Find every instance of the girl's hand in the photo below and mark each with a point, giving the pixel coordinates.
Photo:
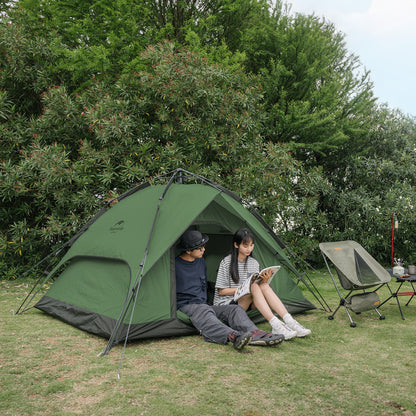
(266, 275)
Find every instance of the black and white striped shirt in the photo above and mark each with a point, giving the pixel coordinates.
(224, 280)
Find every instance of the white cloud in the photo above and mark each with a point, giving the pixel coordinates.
(386, 19)
(392, 18)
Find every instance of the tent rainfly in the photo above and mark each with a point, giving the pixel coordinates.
(117, 277)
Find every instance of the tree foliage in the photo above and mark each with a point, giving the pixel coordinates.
(88, 148)
(98, 96)
(315, 100)
(24, 59)
(374, 184)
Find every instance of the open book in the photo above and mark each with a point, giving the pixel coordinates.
(245, 287)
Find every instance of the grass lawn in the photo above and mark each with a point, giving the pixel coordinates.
(50, 368)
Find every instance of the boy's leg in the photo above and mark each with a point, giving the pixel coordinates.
(205, 320)
(235, 316)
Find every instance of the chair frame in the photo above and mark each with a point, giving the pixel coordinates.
(342, 301)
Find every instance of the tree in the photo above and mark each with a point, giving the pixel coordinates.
(316, 99)
(286, 194)
(85, 149)
(267, 104)
(24, 59)
(92, 39)
(371, 185)
(103, 38)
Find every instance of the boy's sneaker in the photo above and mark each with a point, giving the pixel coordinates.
(241, 340)
(284, 330)
(299, 329)
(265, 338)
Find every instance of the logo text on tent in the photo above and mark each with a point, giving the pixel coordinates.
(118, 226)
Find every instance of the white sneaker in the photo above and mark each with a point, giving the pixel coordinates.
(285, 331)
(299, 329)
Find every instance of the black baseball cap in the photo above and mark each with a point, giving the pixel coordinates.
(193, 239)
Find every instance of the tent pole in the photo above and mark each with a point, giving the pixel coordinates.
(392, 239)
(394, 226)
(28, 301)
(320, 299)
(137, 281)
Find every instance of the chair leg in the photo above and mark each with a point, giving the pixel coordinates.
(342, 303)
(352, 323)
(380, 316)
(331, 317)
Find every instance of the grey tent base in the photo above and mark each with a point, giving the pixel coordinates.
(103, 326)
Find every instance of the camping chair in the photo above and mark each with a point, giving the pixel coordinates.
(357, 271)
(396, 294)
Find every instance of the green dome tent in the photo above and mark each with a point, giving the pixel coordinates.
(117, 278)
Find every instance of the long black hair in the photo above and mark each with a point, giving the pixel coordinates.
(243, 235)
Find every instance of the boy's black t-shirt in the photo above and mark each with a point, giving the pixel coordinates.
(191, 282)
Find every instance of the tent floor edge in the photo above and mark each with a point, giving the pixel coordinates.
(103, 326)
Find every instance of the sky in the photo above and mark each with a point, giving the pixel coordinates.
(382, 33)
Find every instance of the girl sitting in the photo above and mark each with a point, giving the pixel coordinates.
(238, 266)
